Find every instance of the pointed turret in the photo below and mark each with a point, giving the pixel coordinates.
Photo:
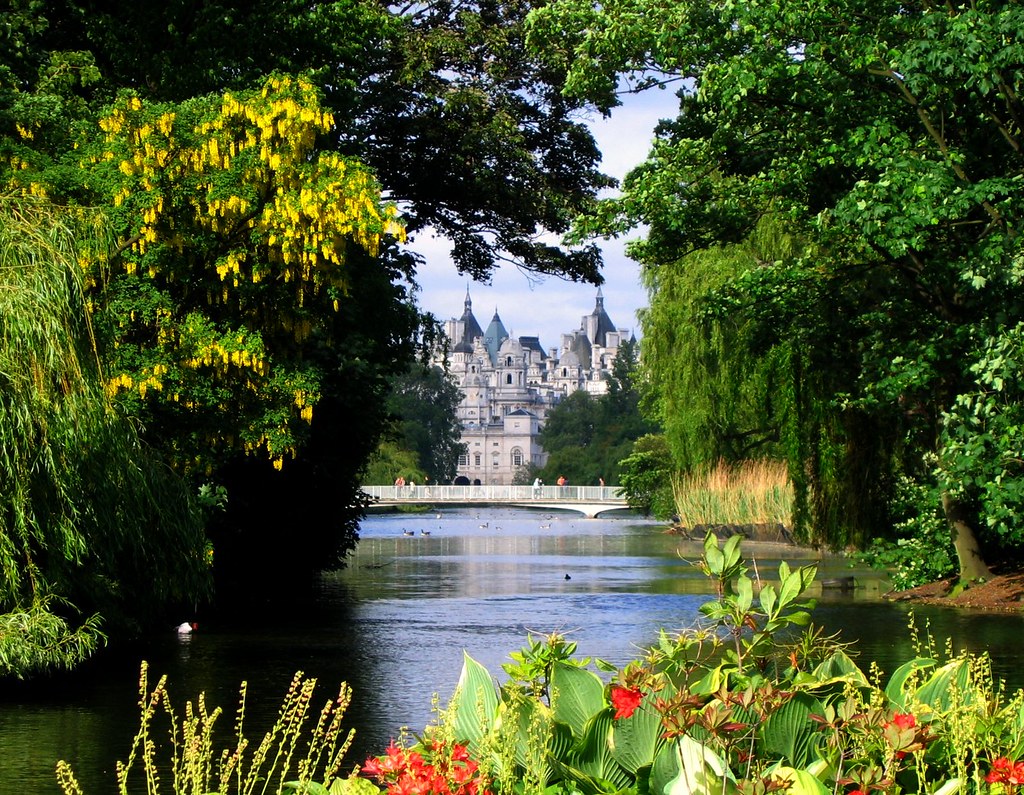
(597, 324)
(470, 328)
(494, 336)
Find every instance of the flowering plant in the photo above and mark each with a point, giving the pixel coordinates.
(1006, 772)
(439, 770)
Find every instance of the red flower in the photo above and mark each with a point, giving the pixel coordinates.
(1006, 772)
(435, 771)
(625, 701)
(903, 721)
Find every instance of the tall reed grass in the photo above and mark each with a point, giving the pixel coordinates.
(296, 756)
(744, 493)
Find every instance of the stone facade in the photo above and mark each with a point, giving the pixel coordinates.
(509, 386)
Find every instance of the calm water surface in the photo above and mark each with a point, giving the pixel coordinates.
(396, 623)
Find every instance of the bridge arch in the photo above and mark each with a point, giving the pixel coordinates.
(588, 500)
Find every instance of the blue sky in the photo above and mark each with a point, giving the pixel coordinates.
(551, 307)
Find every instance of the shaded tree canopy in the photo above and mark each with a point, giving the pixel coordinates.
(255, 301)
(95, 531)
(468, 133)
(884, 139)
(423, 405)
(586, 437)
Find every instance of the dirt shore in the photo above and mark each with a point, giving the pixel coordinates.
(1003, 593)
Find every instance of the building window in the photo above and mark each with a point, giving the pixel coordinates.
(565, 372)
(508, 361)
(476, 459)
(508, 378)
(517, 457)
(464, 460)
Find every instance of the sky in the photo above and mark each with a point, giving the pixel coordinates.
(552, 307)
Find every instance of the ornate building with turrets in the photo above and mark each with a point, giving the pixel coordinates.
(510, 384)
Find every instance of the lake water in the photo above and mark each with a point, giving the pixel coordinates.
(396, 623)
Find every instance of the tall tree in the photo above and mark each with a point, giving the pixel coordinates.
(587, 437)
(885, 135)
(255, 307)
(75, 482)
(423, 403)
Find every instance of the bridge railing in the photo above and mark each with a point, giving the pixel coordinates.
(432, 493)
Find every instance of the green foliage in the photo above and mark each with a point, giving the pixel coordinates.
(735, 611)
(883, 144)
(291, 757)
(38, 639)
(982, 459)
(921, 550)
(646, 477)
(531, 666)
(389, 462)
(249, 313)
(75, 482)
(423, 403)
(682, 720)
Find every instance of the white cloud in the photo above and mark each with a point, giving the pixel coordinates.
(552, 306)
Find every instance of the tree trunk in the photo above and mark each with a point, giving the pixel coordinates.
(968, 552)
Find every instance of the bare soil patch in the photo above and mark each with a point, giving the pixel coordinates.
(1004, 593)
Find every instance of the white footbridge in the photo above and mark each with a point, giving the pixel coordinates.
(588, 500)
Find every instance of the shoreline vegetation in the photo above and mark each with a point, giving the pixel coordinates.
(736, 705)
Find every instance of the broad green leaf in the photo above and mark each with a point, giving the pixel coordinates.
(768, 599)
(475, 702)
(788, 731)
(801, 782)
(945, 686)
(744, 594)
(895, 689)
(701, 770)
(353, 785)
(838, 667)
(635, 740)
(576, 695)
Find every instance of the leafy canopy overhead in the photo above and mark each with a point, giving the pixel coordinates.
(883, 139)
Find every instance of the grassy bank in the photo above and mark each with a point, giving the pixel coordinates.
(744, 493)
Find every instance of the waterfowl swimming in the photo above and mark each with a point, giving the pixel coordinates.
(407, 532)
(185, 628)
(485, 525)
(424, 532)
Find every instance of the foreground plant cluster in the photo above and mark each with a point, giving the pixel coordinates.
(753, 700)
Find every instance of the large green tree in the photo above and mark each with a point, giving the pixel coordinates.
(586, 436)
(256, 302)
(423, 404)
(95, 531)
(886, 139)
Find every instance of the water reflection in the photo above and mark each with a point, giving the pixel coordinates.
(396, 624)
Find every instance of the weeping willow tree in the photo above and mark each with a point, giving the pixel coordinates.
(734, 371)
(94, 532)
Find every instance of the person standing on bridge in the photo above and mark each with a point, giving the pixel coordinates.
(537, 483)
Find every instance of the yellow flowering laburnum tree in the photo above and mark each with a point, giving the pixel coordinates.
(234, 235)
